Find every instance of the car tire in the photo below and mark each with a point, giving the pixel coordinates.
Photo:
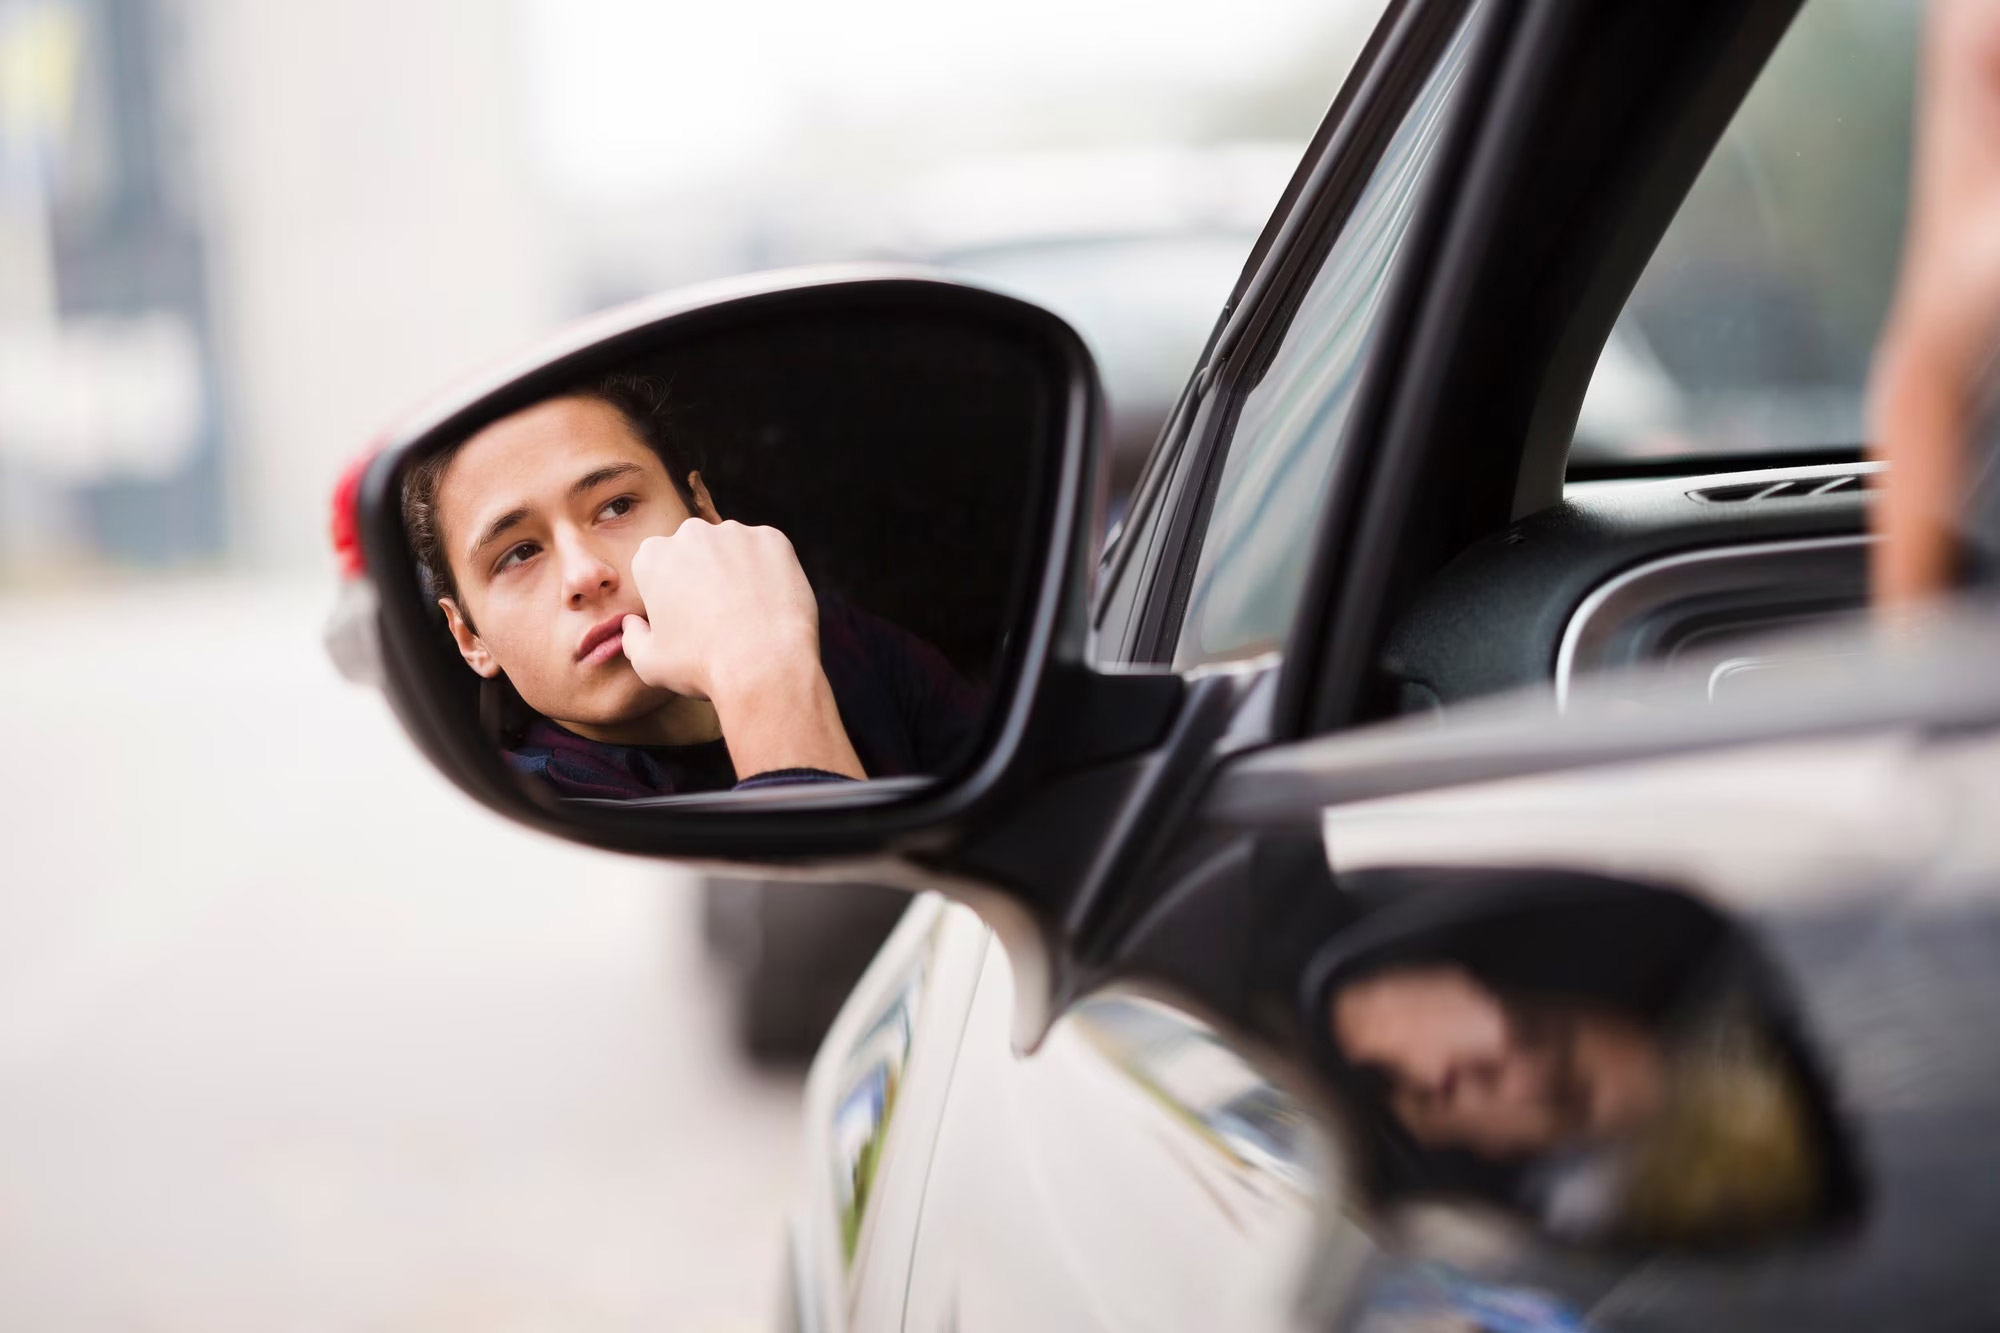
(791, 952)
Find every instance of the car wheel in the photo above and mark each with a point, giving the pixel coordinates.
(791, 953)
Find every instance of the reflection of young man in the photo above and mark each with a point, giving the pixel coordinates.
(1465, 1068)
(664, 649)
(1609, 1127)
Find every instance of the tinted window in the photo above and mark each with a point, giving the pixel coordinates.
(1751, 329)
(1254, 556)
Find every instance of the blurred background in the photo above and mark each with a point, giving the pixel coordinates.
(291, 1034)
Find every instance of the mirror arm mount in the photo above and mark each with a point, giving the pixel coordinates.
(1089, 748)
(1125, 752)
(1089, 717)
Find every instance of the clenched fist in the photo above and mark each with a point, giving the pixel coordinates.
(730, 618)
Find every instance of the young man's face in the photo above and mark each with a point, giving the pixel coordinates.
(1466, 1069)
(540, 514)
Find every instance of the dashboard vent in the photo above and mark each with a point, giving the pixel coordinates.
(1794, 488)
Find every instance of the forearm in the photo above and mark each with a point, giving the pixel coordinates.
(1919, 426)
(1946, 316)
(783, 716)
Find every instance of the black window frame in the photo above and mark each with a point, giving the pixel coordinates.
(1155, 510)
(1548, 220)
(1376, 97)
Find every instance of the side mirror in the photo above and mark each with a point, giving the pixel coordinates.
(1614, 1064)
(927, 450)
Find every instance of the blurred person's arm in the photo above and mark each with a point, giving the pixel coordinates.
(1944, 328)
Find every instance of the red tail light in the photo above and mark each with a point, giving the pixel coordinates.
(346, 525)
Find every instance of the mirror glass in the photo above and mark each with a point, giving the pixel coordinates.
(767, 552)
(1610, 1061)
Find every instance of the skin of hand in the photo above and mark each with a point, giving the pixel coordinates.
(731, 618)
(1944, 327)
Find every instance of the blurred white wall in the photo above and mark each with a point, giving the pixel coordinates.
(376, 231)
(392, 194)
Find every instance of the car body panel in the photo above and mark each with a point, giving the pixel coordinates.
(1067, 1193)
(1868, 866)
(1136, 1171)
(872, 1106)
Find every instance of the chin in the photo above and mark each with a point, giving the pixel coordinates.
(624, 706)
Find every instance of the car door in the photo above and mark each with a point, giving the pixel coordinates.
(1846, 833)
(1145, 1168)
(1831, 824)
(1305, 493)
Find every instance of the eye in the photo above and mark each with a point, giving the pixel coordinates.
(619, 507)
(516, 555)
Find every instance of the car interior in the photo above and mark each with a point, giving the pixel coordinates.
(1688, 472)
(1621, 573)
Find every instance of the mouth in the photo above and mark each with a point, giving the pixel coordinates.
(605, 641)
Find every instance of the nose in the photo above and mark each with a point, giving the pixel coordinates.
(587, 575)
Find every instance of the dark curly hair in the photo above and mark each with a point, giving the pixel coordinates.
(640, 399)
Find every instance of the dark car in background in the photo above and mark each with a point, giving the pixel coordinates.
(1411, 876)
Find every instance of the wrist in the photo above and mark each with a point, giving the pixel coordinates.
(782, 715)
(781, 673)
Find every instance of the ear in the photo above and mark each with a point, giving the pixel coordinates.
(704, 504)
(470, 646)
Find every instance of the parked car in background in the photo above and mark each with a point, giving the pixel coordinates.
(1144, 304)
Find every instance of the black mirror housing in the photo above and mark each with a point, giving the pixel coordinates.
(961, 368)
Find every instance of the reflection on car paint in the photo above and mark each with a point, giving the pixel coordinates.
(1885, 922)
(867, 1100)
(1185, 1067)
(1431, 1298)
(1606, 1059)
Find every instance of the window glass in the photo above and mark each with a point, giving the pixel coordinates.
(1751, 329)
(1254, 556)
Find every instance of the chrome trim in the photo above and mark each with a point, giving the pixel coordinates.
(1695, 483)
(1670, 576)
(1734, 667)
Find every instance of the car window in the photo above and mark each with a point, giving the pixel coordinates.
(1751, 328)
(1254, 555)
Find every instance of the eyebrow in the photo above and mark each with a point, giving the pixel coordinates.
(497, 529)
(589, 481)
